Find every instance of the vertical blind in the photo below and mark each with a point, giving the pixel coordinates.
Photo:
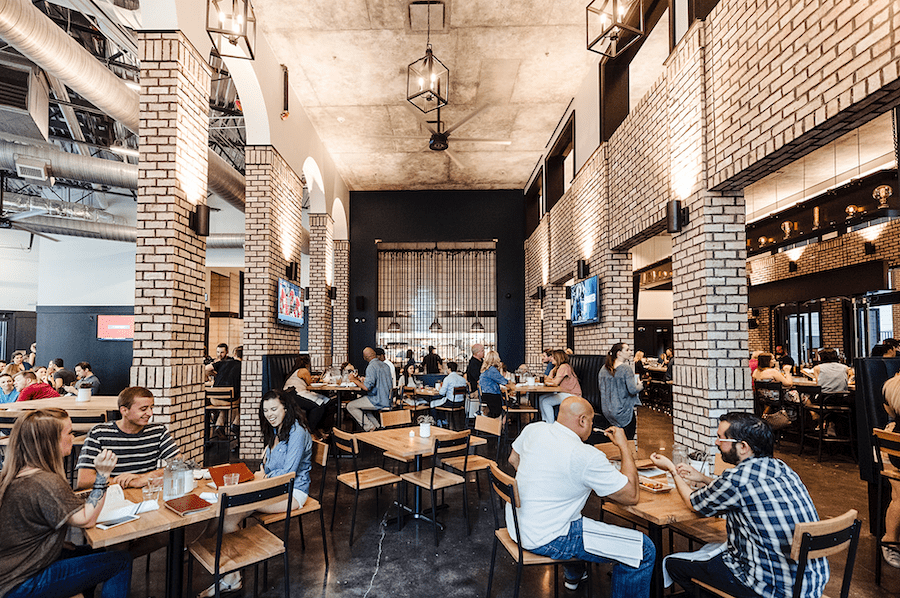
(434, 297)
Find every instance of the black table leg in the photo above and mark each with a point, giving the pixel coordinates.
(656, 581)
(175, 563)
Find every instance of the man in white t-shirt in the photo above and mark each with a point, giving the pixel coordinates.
(556, 473)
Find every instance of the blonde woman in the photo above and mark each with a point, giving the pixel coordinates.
(37, 506)
(490, 382)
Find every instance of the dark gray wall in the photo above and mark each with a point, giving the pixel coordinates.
(439, 216)
(70, 332)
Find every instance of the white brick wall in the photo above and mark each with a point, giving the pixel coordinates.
(321, 270)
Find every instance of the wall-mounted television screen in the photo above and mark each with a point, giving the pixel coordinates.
(290, 304)
(585, 302)
(115, 328)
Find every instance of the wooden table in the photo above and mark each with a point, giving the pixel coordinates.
(341, 392)
(69, 403)
(532, 392)
(656, 511)
(399, 442)
(156, 522)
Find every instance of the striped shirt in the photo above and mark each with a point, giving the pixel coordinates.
(762, 500)
(137, 453)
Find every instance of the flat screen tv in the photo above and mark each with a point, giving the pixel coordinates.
(290, 304)
(585, 302)
(115, 328)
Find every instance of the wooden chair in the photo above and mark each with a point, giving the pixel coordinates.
(522, 410)
(454, 407)
(358, 480)
(436, 478)
(396, 419)
(312, 505)
(827, 407)
(489, 427)
(251, 545)
(885, 443)
(816, 540)
(507, 491)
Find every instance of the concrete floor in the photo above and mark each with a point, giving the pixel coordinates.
(384, 562)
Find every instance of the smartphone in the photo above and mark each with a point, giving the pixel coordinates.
(114, 522)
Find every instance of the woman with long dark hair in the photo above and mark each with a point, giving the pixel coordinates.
(619, 390)
(37, 506)
(315, 406)
(288, 448)
(563, 376)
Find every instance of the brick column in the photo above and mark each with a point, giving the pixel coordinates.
(321, 264)
(554, 318)
(274, 199)
(710, 318)
(342, 302)
(171, 259)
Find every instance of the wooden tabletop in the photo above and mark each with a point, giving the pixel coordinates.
(427, 392)
(97, 403)
(150, 523)
(659, 509)
(536, 387)
(399, 442)
(335, 388)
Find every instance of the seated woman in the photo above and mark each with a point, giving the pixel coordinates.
(407, 383)
(316, 406)
(767, 371)
(288, 449)
(563, 376)
(490, 382)
(619, 391)
(892, 515)
(37, 506)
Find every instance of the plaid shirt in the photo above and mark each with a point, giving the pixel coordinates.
(762, 500)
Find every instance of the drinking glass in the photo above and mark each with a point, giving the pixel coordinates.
(149, 493)
(231, 479)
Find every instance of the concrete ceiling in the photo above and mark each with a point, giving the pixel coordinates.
(348, 61)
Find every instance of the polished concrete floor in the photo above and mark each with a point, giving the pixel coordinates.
(384, 562)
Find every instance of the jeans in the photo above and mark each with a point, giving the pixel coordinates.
(71, 576)
(548, 402)
(714, 572)
(627, 582)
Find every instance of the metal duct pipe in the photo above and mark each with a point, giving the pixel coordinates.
(72, 166)
(59, 209)
(114, 232)
(30, 32)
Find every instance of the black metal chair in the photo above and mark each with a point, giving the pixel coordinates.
(829, 408)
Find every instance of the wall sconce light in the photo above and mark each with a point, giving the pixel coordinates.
(291, 270)
(286, 110)
(332, 293)
(792, 266)
(583, 269)
(231, 25)
(869, 248)
(609, 30)
(541, 293)
(199, 220)
(676, 216)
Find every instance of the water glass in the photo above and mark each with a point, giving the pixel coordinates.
(231, 479)
(150, 493)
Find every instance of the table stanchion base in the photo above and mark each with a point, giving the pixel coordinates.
(175, 564)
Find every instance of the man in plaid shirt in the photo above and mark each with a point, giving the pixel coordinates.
(762, 500)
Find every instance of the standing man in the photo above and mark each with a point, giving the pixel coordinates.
(378, 391)
(556, 472)
(432, 362)
(139, 444)
(473, 373)
(8, 392)
(785, 361)
(762, 500)
(30, 389)
(221, 355)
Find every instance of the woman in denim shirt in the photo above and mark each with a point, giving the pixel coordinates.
(288, 449)
(490, 382)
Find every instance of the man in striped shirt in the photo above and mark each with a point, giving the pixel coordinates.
(137, 443)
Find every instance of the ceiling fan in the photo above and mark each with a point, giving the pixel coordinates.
(12, 221)
(440, 133)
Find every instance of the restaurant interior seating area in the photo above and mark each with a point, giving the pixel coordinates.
(215, 199)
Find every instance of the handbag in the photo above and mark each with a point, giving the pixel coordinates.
(778, 420)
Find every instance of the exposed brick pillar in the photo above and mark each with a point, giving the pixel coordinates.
(170, 261)
(321, 264)
(710, 318)
(274, 199)
(341, 302)
(554, 318)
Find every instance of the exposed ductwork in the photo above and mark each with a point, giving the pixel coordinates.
(59, 209)
(72, 166)
(30, 32)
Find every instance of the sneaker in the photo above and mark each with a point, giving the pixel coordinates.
(228, 583)
(891, 556)
(573, 584)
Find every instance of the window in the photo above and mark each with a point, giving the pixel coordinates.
(558, 179)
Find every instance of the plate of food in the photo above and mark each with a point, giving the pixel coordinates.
(655, 486)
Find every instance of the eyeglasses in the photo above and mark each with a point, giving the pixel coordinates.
(727, 440)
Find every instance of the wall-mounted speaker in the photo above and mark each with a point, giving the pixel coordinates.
(755, 312)
(752, 324)
(582, 269)
(676, 216)
(360, 303)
